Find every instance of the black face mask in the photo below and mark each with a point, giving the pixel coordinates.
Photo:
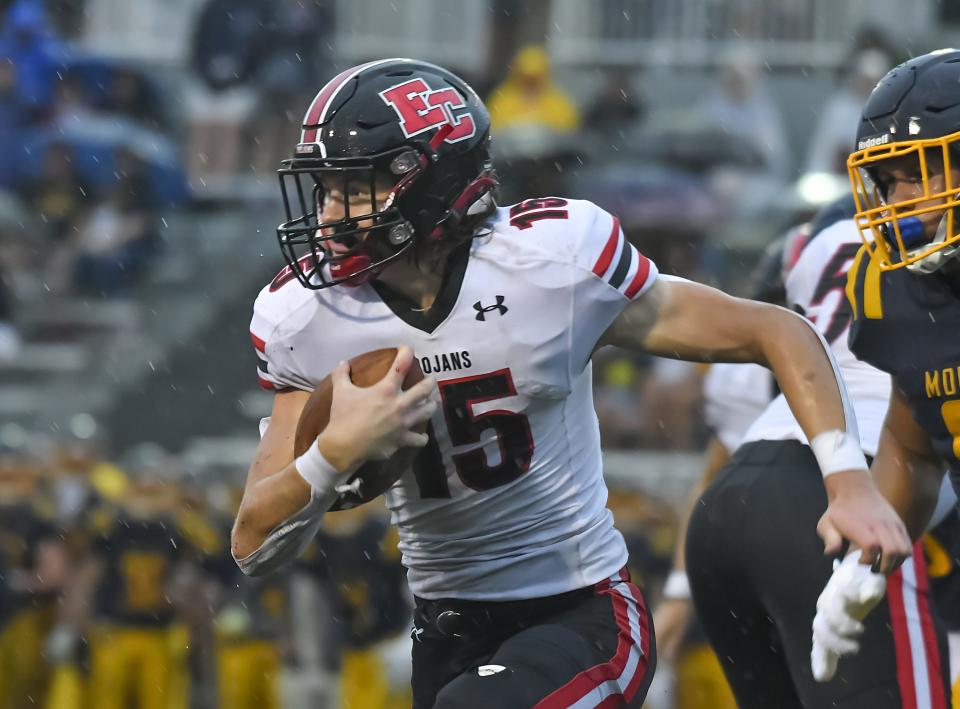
(305, 241)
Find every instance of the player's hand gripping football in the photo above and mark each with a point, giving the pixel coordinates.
(371, 423)
(858, 513)
(850, 594)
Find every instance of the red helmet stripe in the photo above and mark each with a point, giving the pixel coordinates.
(321, 102)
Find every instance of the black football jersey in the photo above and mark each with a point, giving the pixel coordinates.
(363, 578)
(139, 556)
(24, 527)
(909, 325)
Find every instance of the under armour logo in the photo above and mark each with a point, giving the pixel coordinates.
(415, 633)
(499, 307)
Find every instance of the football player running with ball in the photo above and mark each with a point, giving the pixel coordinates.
(393, 238)
(904, 290)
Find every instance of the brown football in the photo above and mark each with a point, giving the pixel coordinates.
(374, 477)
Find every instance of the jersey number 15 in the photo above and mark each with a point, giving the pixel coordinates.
(465, 427)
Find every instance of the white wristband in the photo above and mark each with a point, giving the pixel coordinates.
(837, 451)
(677, 586)
(318, 471)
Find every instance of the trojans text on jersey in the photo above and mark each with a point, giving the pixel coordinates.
(445, 362)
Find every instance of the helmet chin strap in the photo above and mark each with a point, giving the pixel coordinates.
(476, 198)
(347, 270)
(938, 259)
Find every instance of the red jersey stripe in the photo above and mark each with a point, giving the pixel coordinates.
(612, 670)
(606, 256)
(932, 651)
(640, 277)
(901, 640)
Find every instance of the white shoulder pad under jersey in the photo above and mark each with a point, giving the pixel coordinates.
(281, 311)
(733, 396)
(815, 288)
(507, 500)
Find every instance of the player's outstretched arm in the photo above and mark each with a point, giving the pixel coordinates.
(690, 321)
(906, 469)
(284, 498)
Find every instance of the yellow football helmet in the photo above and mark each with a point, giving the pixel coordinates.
(909, 133)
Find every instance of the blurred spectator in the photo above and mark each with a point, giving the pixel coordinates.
(57, 195)
(36, 567)
(620, 409)
(70, 106)
(14, 116)
(529, 99)
(293, 62)
(673, 393)
(742, 108)
(616, 107)
(835, 130)
(128, 95)
(226, 41)
(9, 335)
(37, 55)
(871, 36)
(118, 236)
(66, 17)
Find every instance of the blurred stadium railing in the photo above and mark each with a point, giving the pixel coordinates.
(784, 33)
(455, 33)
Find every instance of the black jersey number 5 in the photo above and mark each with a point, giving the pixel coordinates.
(460, 398)
(834, 278)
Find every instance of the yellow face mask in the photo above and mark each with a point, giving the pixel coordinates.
(915, 225)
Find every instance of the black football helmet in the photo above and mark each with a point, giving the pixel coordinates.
(412, 126)
(769, 276)
(913, 113)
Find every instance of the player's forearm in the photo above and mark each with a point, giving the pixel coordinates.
(909, 482)
(281, 512)
(690, 321)
(806, 373)
(259, 549)
(267, 503)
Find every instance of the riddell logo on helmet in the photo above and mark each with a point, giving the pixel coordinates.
(421, 108)
(874, 141)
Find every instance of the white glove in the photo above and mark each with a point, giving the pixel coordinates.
(850, 594)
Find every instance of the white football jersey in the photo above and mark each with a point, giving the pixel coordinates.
(816, 286)
(508, 499)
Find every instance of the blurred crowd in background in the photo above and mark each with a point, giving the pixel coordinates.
(138, 141)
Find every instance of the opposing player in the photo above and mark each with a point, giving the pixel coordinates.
(521, 597)
(755, 567)
(734, 395)
(904, 290)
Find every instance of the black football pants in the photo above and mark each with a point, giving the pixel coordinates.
(756, 567)
(587, 648)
